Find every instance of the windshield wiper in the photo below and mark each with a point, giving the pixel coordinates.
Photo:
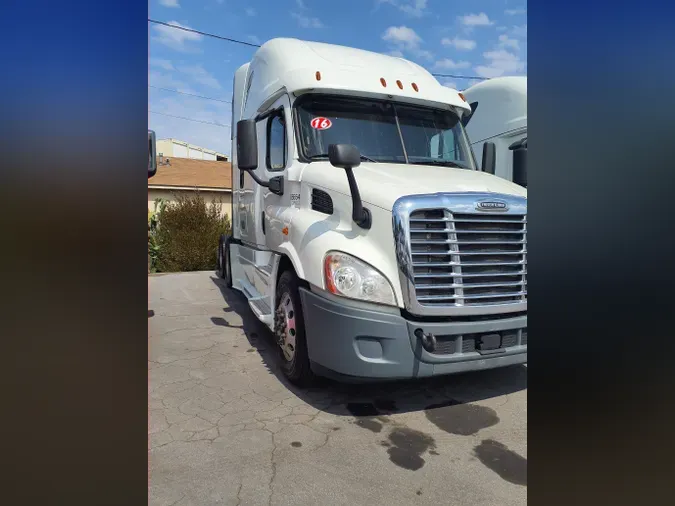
(324, 156)
(444, 163)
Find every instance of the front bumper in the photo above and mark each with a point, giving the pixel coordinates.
(350, 343)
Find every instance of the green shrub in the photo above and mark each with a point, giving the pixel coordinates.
(153, 247)
(186, 234)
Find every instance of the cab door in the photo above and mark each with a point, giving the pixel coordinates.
(274, 157)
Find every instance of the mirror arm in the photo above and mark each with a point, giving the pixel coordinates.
(275, 185)
(360, 214)
(257, 179)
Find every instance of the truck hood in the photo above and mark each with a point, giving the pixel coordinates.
(381, 184)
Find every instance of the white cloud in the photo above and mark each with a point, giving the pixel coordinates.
(500, 62)
(481, 19)
(459, 44)
(164, 80)
(396, 53)
(200, 75)
(175, 38)
(499, 54)
(501, 28)
(519, 31)
(515, 12)
(406, 39)
(402, 36)
(254, 39)
(250, 11)
(505, 41)
(306, 21)
(448, 64)
(415, 9)
(169, 3)
(163, 64)
(449, 84)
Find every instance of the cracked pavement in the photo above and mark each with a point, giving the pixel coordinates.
(224, 426)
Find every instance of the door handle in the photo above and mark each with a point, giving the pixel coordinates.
(242, 207)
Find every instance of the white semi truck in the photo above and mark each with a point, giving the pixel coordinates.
(364, 234)
(499, 116)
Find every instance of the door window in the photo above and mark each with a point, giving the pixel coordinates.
(276, 142)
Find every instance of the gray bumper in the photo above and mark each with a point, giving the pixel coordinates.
(352, 343)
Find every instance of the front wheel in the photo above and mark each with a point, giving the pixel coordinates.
(289, 331)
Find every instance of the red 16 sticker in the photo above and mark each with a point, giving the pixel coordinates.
(321, 123)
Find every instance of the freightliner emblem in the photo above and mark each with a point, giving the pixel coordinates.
(492, 205)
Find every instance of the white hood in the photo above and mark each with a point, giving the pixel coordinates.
(381, 184)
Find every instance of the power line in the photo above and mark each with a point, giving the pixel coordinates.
(203, 33)
(190, 119)
(258, 45)
(461, 77)
(190, 94)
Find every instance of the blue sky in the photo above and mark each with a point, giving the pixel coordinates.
(486, 38)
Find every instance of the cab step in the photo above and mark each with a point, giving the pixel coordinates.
(260, 304)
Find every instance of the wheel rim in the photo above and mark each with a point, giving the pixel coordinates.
(287, 312)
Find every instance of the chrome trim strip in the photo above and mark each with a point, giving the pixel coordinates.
(463, 203)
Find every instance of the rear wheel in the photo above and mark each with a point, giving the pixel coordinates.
(219, 268)
(224, 266)
(289, 330)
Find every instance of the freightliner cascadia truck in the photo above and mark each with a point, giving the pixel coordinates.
(364, 233)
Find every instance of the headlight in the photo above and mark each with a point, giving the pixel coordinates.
(347, 276)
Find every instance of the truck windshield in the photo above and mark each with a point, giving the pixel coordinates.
(383, 131)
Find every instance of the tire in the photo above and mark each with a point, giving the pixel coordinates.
(295, 366)
(220, 270)
(224, 262)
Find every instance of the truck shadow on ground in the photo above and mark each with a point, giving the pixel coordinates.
(448, 402)
(371, 400)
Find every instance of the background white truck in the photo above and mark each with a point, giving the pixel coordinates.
(499, 116)
(364, 235)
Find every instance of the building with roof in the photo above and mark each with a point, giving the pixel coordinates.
(174, 148)
(180, 176)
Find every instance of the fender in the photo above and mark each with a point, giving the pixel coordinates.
(287, 248)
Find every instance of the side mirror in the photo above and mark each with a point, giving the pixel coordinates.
(247, 145)
(346, 156)
(152, 154)
(247, 155)
(489, 157)
(519, 149)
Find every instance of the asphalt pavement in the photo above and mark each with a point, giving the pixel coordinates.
(226, 428)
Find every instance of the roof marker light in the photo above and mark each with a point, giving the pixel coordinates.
(461, 96)
(415, 87)
(400, 84)
(384, 83)
(318, 75)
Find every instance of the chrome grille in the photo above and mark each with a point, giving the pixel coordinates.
(468, 259)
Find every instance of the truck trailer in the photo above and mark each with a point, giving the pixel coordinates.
(499, 116)
(364, 234)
